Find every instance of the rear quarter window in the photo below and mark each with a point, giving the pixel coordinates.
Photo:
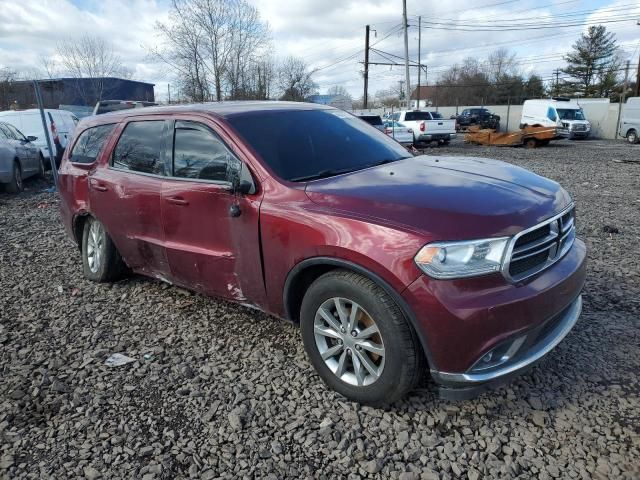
(90, 143)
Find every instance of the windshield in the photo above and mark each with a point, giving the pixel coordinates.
(570, 114)
(436, 115)
(302, 145)
(417, 116)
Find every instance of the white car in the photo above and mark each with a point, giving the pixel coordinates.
(630, 121)
(399, 132)
(61, 124)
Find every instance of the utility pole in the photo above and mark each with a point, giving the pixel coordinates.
(638, 78)
(406, 53)
(557, 81)
(419, 52)
(622, 99)
(366, 68)
(638, 74)
(168, 94)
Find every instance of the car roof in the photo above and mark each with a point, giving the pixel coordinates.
(217, 109)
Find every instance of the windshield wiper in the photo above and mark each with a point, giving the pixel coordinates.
(324, 174)
(385, 161)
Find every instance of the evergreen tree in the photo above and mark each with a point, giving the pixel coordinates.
(593, 64)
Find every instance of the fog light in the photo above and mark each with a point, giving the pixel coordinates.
(499, 355)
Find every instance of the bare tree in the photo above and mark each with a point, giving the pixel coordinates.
(295, 80)
(217, 48)
(339, 90)
(92, 59)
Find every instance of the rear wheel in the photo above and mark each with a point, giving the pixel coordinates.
(358, 339)
(530, 143)
(632, 136)
(100, 258)
(15, 185)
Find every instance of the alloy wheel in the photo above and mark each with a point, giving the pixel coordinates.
(349, 341)
(95, 246)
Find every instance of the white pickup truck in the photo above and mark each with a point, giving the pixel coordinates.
(427, 126)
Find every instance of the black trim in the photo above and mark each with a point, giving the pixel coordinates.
(406, 310)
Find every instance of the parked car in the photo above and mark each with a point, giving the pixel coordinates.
(630, 121)
(19, 158)
(61, 124)
(373, 120)
(108, 106)
(558, 112)
(477, 116)
(399, 132)
(427, 126)
(391, 264)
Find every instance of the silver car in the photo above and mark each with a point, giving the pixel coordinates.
(19, 158)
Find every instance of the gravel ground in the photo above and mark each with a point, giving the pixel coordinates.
(221, 391)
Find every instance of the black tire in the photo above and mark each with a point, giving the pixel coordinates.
(632, 136)
(404, 360)
(15, 185)
(530, 143)
(110, 266)
(41, 167)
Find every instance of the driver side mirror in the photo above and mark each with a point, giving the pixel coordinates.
(31, 138)
(241, 179)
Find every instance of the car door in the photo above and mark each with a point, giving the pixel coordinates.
(21, 146)
(125, 190)
(211, 233)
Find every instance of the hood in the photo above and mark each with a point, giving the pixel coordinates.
(445, 198)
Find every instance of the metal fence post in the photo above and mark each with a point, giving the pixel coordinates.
(52, 158)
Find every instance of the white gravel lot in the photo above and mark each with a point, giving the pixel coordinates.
(227, 392)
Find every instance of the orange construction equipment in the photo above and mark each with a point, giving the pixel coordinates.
(530, 137)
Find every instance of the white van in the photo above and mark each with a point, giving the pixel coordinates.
(630, 120)
(562, 113)
(61, 125)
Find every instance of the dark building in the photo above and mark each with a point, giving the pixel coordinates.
(73, 91)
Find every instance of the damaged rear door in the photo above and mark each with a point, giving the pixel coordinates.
(211, 233)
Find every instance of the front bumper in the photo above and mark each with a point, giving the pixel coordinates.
(464, 320)
(579, 134)
(540, 341)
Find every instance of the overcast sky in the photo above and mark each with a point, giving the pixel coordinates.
(328, 34)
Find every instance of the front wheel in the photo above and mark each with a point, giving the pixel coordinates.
(632, 136)
(358, 339)
(41, 167)
(100, 258)
(15, 185)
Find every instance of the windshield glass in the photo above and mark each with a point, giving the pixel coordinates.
(436, 115)
(417, 116)
(305, 144)
(570, 114)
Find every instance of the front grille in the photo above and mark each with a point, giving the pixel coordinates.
(539, 247)
(579, 127)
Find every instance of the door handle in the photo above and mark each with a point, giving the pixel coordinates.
(98, 186)
(177, 201)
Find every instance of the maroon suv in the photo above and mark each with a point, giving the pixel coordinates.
(391, 264)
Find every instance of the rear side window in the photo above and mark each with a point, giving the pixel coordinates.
(199, 154)
(139, 148)
(417, 116)
(371, 119)
(90, 144)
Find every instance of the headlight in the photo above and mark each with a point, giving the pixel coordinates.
(447, 260)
